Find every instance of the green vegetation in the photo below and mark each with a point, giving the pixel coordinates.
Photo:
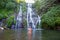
(5, 14)
(23, 4)
(49, 10)
(52, 18)
(41, 6)
(10, 21)
(7, 4)
(7, 10)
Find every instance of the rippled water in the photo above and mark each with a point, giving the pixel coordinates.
(23, 34)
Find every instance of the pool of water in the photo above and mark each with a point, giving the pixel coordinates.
(24, 34)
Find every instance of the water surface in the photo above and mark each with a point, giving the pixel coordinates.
(24, 34)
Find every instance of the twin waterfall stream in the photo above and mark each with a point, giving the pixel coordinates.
(32, 21)
(32, 18)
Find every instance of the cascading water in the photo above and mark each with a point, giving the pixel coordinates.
(32, 18)
(19, 18)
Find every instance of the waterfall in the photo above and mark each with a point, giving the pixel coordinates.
(19, 18)
(32, 18)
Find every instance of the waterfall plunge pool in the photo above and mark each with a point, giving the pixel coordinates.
(24, 34)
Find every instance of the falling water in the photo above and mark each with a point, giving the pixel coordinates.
(32, 18)
(19, 18)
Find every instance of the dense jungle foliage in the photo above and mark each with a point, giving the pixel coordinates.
(49, 10)
(8, 8)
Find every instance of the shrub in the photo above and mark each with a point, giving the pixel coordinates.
(3, 14)
(10, 21)
(57, 22)
(52, 17)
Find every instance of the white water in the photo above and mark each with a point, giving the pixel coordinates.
(19, 18)
(32, 18)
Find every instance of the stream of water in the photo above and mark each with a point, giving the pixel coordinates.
(19, 19)
(32, 18)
